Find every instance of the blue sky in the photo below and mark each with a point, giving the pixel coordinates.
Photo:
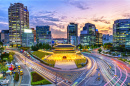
(59, 13)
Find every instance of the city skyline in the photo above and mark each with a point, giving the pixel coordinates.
(59, 13)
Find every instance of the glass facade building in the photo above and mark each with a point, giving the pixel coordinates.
(27, 38)
(43, 34)
(98, 38)
(127, 45)
(5, 37)
(18, 16)
(121, 28)
(72, 34)
(88, 35)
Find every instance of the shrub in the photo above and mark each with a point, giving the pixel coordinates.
(38, 80)
(16, 76)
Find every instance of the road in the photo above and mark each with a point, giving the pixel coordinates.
(114, 71)
(25, 79)
(62, 76)
(101, 71)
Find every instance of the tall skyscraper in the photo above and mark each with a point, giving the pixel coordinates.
(121, 28)
(5, 37)
(18, 16)
(98, 38)
(27, 38)
(88, 35)
(34, 33)
(43, 34)
(72, 34)
(107, 38)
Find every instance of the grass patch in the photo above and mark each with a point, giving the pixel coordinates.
(50, 62)
(80, 62)
(1, 77)
(40, 54)
(36, 79)
(79, 53)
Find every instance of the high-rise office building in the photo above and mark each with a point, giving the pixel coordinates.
(72, 34)
(5, 37)
(121, 28)
(88, 35)
(127, 44)
(43, 34)
(98, 38)
(27, 38)
(107, 38)
(18, 16)
(34, 33)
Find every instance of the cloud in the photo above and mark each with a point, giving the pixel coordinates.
(126, 15)
(79, 4)
(59, 33)
(100, 19)
(4, 23)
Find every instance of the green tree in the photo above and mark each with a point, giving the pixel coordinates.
(11, 53)
(34, 48)
(99, 50)
(80, 46)
(43, 46)
(11, 58)
(47, 46)
(1, 44)
(40, 45)
(3, 68)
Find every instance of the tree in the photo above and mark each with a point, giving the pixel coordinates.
(40, 45)
(47, 46)
(99, 50)
(92, 46)
(43, 45)
(1, 44)
(80, 46)
(10, 58)
(3, 68)
(11, 53)
(34, 48)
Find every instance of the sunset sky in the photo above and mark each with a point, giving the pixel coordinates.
(59, 13)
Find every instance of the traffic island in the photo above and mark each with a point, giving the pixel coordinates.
(64, 57)
(36, 79)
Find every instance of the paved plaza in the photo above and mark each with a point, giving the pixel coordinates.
(65, 65)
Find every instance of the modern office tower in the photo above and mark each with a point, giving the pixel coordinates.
(43, 34)
(27, 38)
(107, 38)
(34, 33)
(98, 38)
(88, 35)
(72, 34)
(127, 45)
(121, 28)
(5, 37)
(18, 16)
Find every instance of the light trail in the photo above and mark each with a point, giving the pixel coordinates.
(120, 75)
